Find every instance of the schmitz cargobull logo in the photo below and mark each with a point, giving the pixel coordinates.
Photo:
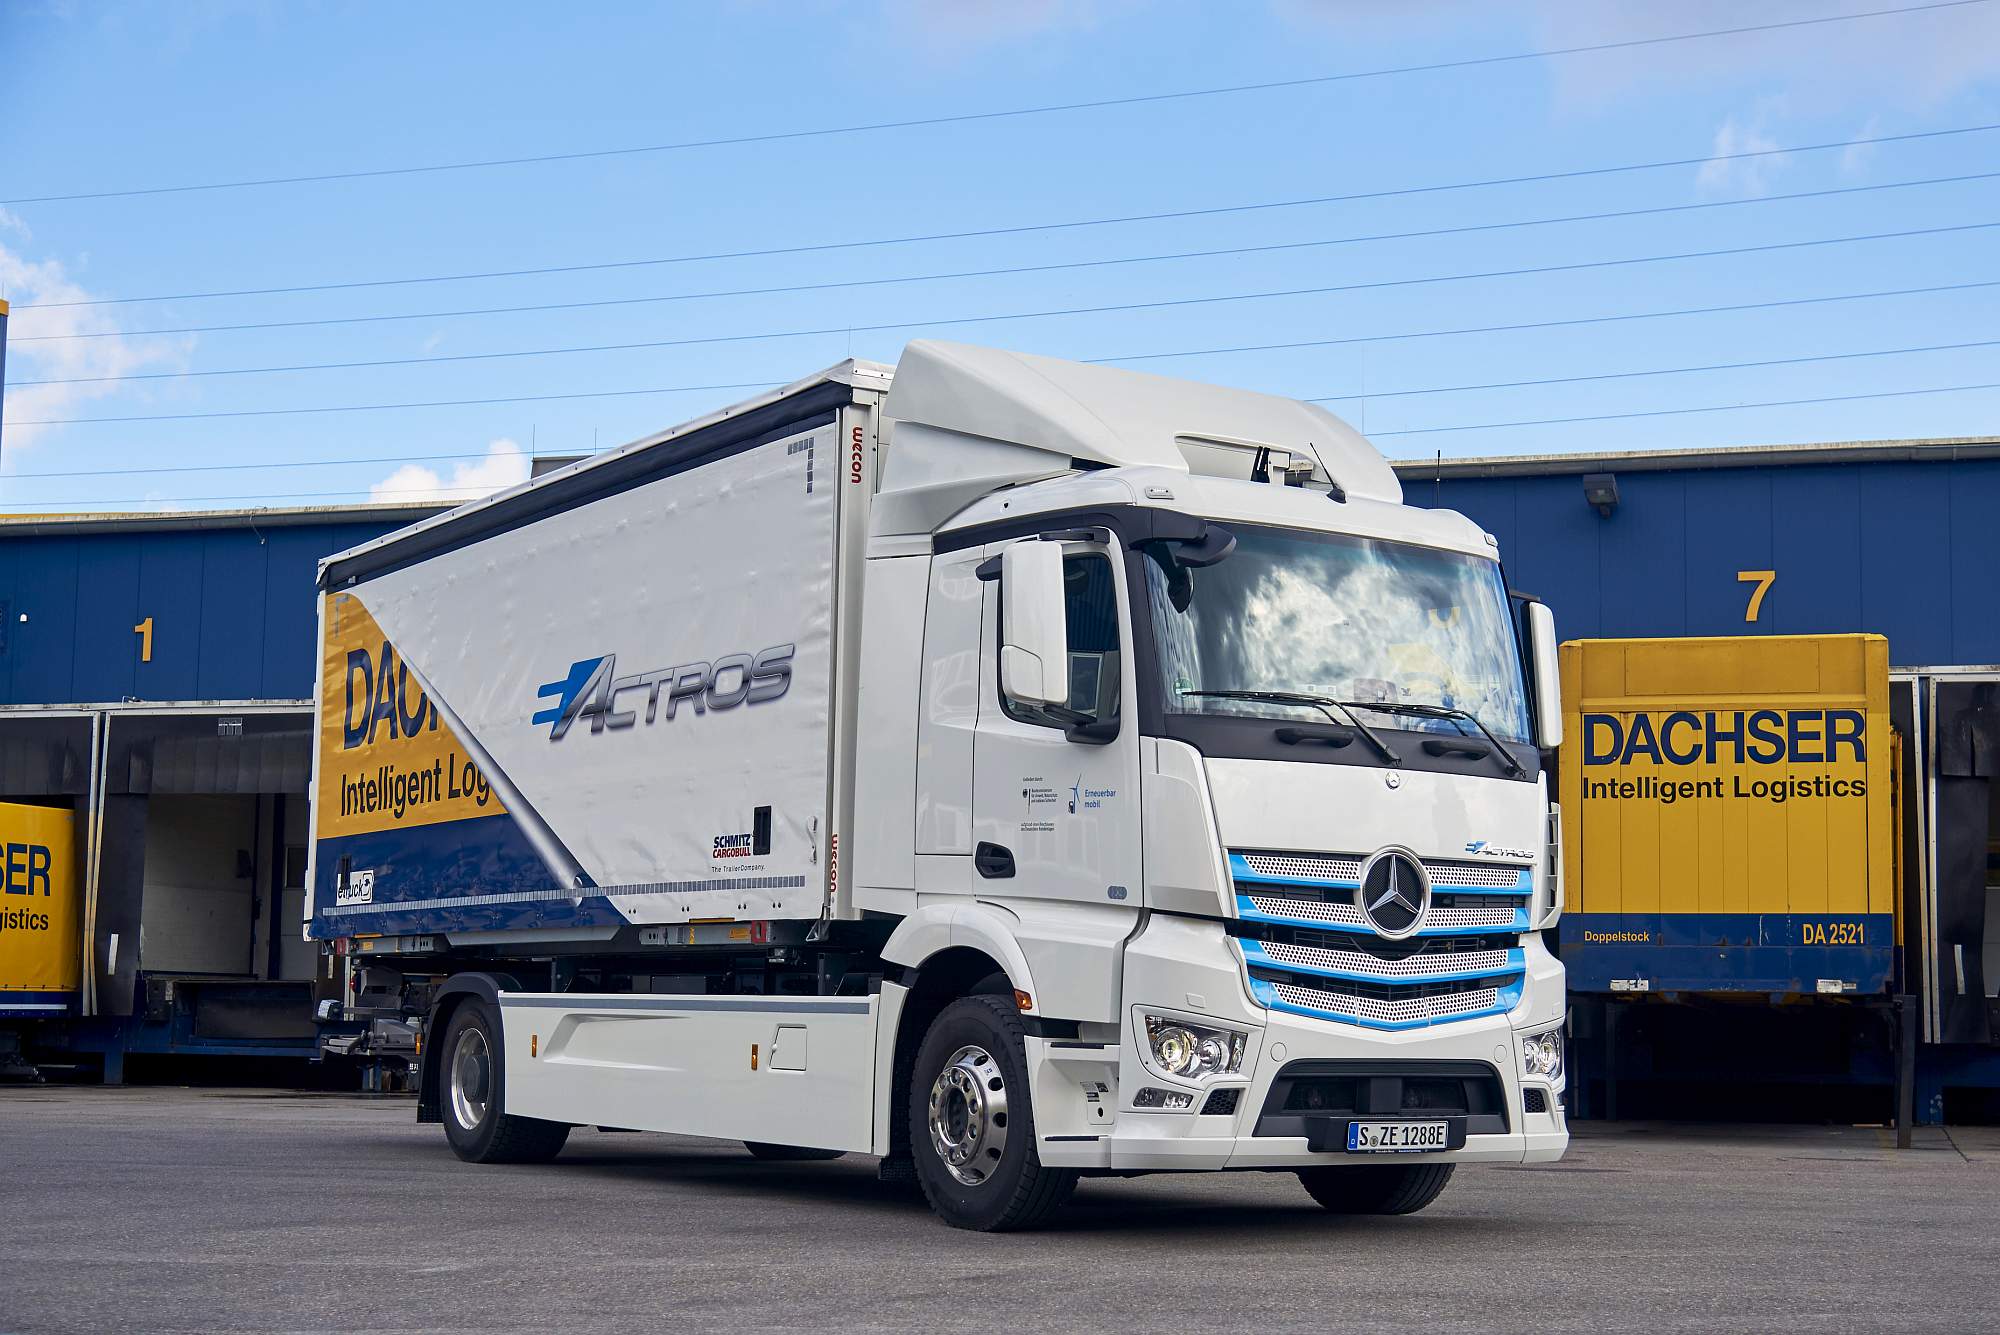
(593, 687)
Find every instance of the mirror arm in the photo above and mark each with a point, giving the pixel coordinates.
(1093, 732)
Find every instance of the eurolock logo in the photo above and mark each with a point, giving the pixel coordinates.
(592, 689)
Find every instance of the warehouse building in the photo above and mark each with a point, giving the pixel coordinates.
(1895, 538)
(156, 675)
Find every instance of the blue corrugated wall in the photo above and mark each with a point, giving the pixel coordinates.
(1906, 550)
(232, 612)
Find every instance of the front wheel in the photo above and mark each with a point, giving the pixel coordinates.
(972, 1131)
(476, 1121)
(1376, 1188)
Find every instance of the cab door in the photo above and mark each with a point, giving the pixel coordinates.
(1055, 817)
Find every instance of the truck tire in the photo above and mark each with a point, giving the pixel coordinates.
(972, 1129)
(1384, 1188)
(473, 1098)
(788, 1153)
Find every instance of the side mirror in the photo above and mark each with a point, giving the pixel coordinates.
(1542, 660)
(1034, 630)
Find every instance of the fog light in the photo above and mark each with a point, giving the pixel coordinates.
(1173, 1100)
(1542, 1054)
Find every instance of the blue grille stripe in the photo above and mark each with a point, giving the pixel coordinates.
(1510, 997)
(1249, 912)
(1256, 956)
(1239, 870)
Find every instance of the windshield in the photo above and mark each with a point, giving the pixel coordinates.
(1352, 619)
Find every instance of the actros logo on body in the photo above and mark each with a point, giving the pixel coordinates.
(594, 691)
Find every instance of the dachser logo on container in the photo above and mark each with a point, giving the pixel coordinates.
(593, 687)
(383, 701)
(1787, 737)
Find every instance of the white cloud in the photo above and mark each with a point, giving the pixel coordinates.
(504, 465)
(1729, 174)
(34, 288)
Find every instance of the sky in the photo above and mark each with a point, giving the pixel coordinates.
(1310, 251)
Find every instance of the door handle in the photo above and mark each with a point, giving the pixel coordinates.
(993, 862)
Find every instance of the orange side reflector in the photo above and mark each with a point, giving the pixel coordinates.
(753, 1056)
(1022, 1001)
(534, 1045)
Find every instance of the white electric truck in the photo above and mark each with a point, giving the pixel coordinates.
(1013, 769)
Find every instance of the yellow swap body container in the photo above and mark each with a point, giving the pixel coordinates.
(1727, 822)
(41, 960)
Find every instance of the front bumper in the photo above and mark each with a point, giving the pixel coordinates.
(1184, 966)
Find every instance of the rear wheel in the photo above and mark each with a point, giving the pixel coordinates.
(476, 1122)
(1376, 1188)
(788, 1153)
(972, 1131)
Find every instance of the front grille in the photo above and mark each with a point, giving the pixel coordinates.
(1310, 947)
(1345, 869)
(1497, 913)
(1408, 1010)
(1412, 966)
(1304, 867)
(1445, 874)
(1313, 910)
(1378, 947)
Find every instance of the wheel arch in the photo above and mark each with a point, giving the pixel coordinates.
(454, 993)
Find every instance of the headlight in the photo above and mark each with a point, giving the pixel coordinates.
(1192, 1051)
(1542, 1053)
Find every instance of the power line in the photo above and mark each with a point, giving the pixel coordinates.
(1677, 412)
(1024, 228)
(1653, 371)
(1165, 303)
(1009, 271)
(381, 407)
(1471, 62)
(1411, 431)
(1514, 327)
(259, 465)
(1325, 398)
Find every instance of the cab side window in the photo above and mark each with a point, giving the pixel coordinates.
(1090, 605)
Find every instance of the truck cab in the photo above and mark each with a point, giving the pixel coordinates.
(1242, 756)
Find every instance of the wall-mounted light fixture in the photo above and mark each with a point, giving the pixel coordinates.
(1600, 490)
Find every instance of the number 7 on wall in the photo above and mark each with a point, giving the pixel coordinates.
(1763, 580)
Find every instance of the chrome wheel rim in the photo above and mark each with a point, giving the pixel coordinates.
(968, 1115)
(471, 1078)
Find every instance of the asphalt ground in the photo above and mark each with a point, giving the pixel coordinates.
(223, 1210)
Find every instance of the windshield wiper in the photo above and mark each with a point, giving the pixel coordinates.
(1445, 712)
(1324, 703)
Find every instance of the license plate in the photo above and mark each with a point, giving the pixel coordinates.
(1396, 1137)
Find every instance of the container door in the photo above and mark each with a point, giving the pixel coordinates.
(1966, 761)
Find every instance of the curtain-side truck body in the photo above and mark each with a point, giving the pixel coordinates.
(1009, 768)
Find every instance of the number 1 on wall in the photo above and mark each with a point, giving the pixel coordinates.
(144, 630)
